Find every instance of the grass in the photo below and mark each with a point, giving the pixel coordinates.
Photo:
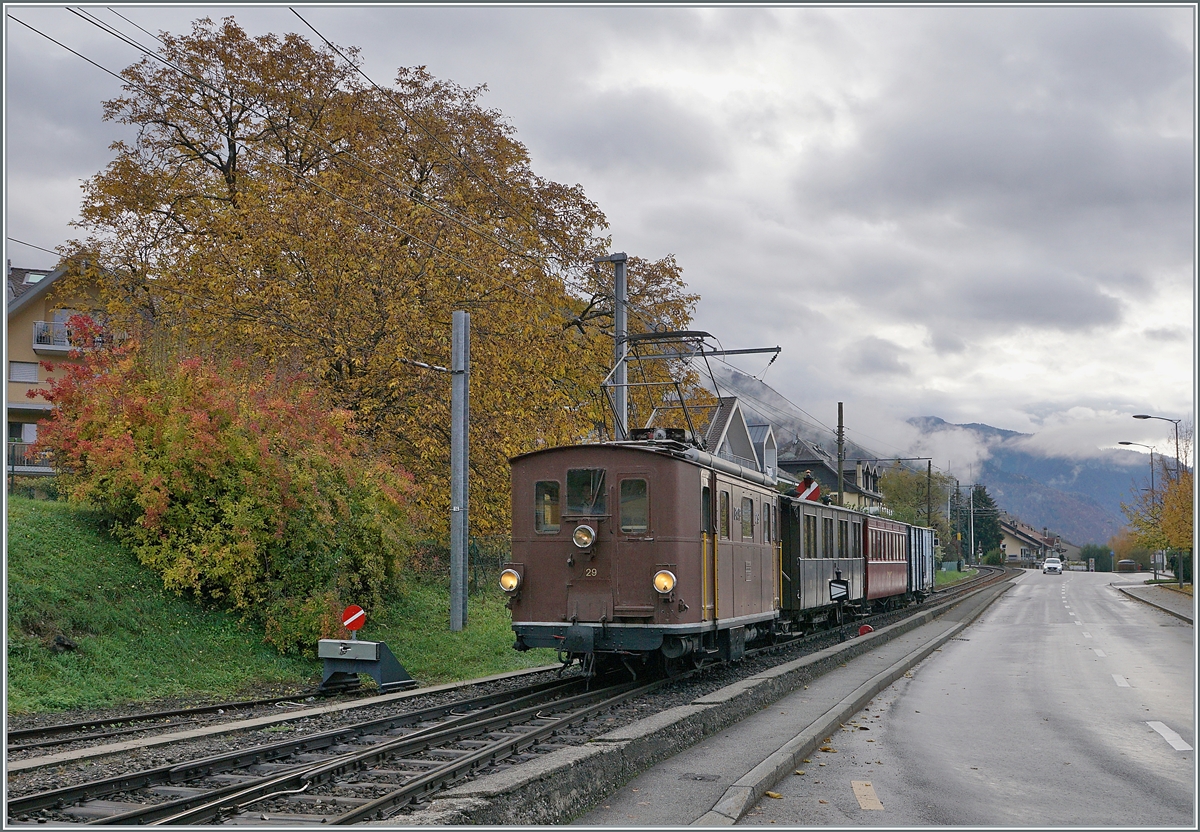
(944, 578)
(137, 642)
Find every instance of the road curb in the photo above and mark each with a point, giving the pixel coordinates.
(555, 788)
(743, 794)
(1150, 603)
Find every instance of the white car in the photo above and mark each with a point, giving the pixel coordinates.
(1052, 565)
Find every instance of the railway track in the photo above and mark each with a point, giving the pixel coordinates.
(367, 769)
(91, 730)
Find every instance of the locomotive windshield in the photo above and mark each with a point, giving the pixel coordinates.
(586, 492)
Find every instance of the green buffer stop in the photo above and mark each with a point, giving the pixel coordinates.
(344, 660)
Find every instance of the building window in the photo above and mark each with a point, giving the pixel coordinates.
(23, 371)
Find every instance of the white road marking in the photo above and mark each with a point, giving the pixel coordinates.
(1098, 652)
(1120, 680)
(1170, 736)
(1087, 635)
(1071, 613)
(1080, 623)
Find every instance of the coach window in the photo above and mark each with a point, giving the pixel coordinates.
(585, 491)
(856, 540)
(706, 509)
(545, 507)
(723, 513)
(747, 518)
(810, 535)
(827, 537)
(843, 538)
(635, 506)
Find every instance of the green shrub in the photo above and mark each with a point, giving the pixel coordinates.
(232, 484)
(994, 558)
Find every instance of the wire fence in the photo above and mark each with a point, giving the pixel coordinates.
(486, 556)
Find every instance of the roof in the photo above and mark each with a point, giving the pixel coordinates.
(29, 292)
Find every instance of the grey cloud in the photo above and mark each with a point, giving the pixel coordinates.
(1167, 334)
(875, 356)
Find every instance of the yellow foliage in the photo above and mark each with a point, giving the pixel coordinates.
(1178, 511)
(287, 209)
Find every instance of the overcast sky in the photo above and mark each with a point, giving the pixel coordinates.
(981, 214)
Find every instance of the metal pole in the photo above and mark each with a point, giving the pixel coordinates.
(841, 445)
(459, 417)
(929, 494)
(971, 510)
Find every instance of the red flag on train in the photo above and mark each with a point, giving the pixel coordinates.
(809, 489)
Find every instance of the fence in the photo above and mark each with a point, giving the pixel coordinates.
(486, 556)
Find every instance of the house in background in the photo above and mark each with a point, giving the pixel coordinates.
(860, 478)
(38, 310)
(1022, 544)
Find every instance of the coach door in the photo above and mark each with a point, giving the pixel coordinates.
(635, 562)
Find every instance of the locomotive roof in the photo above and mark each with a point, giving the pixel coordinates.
(654, 446)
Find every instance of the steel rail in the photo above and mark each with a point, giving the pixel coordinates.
(208, 807)
(182, 772)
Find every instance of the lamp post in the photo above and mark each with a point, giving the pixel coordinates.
(1176, 423)
(1152, 450)
(1178, 557)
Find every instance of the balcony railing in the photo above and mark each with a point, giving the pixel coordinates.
(23, 459)
(56, 337)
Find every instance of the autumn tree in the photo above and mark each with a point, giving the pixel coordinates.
(277, 202)
(233, 485)
(911, 495)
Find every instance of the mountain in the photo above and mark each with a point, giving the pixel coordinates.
(1079, 499)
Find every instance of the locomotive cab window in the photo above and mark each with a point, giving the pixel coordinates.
(635, 506)
(546, 507)
(706, 509)
(586, 491)
(747, 518)
(723, 515)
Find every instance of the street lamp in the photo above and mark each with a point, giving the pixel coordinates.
(1178, 557)
(1152, 448)
(1176, 423)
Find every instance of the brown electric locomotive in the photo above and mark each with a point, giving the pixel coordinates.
(656, 548)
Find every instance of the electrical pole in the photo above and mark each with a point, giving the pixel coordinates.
(929, 494)
(460, 387)
(841, 446)
(971, 517)
(620, 343)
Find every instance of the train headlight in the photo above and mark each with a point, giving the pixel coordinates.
(664, 581)
(584, 536)
(510, 580)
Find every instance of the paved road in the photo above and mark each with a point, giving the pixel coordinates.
(1066, 704)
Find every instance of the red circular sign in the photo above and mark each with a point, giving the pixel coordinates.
(353, 617)
(864, 629)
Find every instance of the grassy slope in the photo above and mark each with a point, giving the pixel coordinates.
(137, 642)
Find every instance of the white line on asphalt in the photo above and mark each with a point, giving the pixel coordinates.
(1080, 623)
(1170, 736)
(1120, 680)
(1087, 635)
(1098, 652)
(1071, 613)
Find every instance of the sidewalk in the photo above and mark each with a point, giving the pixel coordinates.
(1171, 601)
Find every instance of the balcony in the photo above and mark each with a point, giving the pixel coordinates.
(55, 338)
(24, 461)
